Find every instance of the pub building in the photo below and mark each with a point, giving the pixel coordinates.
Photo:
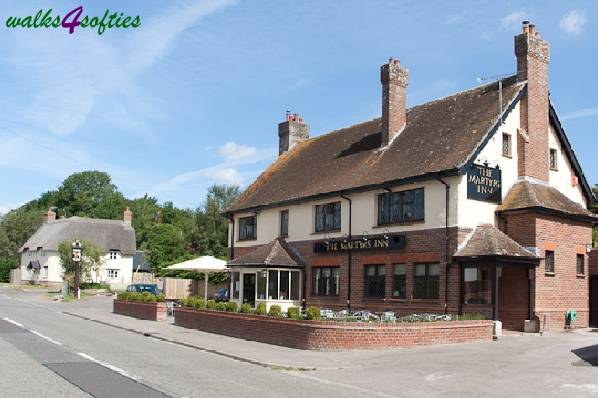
(472, 203)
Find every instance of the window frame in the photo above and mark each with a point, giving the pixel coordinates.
(336, 218)
(395, 282)
(112, 271)
(318, 287)
(580, 265)
(284, 231)
(396, 207)
(507, 143)
(549, 262)
(246, 237)
(113, 254)
(427, 276)
(378, 278)
(553, 163)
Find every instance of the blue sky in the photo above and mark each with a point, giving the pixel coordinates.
(193, 97)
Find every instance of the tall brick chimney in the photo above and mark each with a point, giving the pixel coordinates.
(394, 80)
(533, 55)
(127, 216)
(49, 216)
(291, 132)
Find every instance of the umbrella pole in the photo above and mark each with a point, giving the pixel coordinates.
(205, 292)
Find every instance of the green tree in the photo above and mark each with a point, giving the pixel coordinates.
(145, 212)
(165, 245)
(91, 263)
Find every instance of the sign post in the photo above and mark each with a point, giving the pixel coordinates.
(77, 255)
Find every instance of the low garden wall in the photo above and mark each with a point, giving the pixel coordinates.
(142, 310)
(331, 335)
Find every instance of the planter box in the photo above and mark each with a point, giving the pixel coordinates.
(141, 310)
(323, 335)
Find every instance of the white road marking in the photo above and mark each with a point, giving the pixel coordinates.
(50, 339)
(108, 366)
(13, 322)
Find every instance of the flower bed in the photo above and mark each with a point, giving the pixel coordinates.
(141, 305)
(324, 335)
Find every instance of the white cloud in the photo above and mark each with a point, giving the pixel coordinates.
(228, 176)
(573, 22)
(513, 20)
(580, 113)
(455, 19)
(233, 151)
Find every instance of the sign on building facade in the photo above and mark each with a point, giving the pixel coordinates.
(484, 183)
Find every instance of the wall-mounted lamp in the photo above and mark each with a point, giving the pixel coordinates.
(364, 236)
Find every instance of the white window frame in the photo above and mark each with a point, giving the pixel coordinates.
(112, 273)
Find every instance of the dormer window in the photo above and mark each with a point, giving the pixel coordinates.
(554, 161)
(113, 254)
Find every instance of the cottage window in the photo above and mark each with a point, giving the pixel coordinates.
(326, 281)
(248, 228)
(45, 272)
(375, 278)
(581, 264)
(506, 145)
(427, 281)
(549, 261)
(399, 281)
(328, 217)
(477, 286)
(284, 223)
(112, 273)
(395, 207)
(554, 163)
(113, 254)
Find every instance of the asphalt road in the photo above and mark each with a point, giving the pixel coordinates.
(46, 353)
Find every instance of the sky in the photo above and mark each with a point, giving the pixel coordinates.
(193, 96)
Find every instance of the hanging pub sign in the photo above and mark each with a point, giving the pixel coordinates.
(377, 242)
(484, 183)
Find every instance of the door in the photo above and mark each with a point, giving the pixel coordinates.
(594, 301)
(249, 289)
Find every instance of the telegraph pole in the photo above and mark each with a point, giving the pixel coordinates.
(77, 255)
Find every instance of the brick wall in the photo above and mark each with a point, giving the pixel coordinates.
(141, 310)
(309, 335)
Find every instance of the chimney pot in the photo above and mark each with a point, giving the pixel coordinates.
(291, 132)
(127, 216)
(49, 216)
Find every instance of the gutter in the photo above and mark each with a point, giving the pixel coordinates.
(349, 254)
(447, 191)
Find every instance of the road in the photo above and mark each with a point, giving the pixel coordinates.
(46, 353)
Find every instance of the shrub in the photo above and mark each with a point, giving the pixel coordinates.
(260, 309)
(94, 285)
(245, 309)
(148, 297)
(211, 304)
(313, 313)
(220, 306)
(294, 313)
(199, 303)
(160, 298)
(275, 310)
(231, 306)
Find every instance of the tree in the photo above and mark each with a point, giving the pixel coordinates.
(91, 263)
(145, 212)
(165, 245)
(89, 194)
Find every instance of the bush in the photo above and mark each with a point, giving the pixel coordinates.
(211, 304)
(260, 309)
(160, 298)
(220, 306)
(231, 306)
(199, 303)
(148, 297)
(275, 310)
(313, 313)
(95, 285)
(245, 309)
(294, 313)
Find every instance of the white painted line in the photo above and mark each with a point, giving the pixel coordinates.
(108, 366)
(13, 322)
(50, 339)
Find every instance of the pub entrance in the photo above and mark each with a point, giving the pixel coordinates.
(249, 289)
(594, 301)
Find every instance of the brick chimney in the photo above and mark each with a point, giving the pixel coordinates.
(291, 132)
(394, 80)
(533, 55)
(127, 216)
(49, 216)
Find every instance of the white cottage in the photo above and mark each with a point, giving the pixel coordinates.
(40, 260)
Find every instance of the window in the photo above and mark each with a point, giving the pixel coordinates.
(284, 223)
(401, 206)
(272, 285)
(45, 272)
(506, 145)
(549, 261)
(328, 217)
(427, 281)
(553, 159)
(262, 278)
(399, 281)
(374, 280)
(477, 286)
(295, 285)
(113, 254)
(112, 273)
(236, 284)
(325, 281)
(581, 264)
(247, 228)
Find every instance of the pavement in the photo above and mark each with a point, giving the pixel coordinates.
(121, 354)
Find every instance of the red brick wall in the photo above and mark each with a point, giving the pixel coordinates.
(513, 297)
(141, 310)
(331, 335)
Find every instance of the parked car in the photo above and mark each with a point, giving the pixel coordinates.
(144, 287)
(221, 294)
